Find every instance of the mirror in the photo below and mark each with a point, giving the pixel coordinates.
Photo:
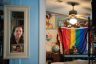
(16, 31)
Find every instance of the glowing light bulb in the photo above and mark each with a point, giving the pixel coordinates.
(73, 21)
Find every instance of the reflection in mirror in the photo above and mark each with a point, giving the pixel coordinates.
(16, 37)
(17, 18)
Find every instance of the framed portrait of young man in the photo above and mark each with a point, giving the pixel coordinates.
(16, 31)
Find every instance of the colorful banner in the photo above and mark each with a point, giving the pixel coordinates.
(73, 38)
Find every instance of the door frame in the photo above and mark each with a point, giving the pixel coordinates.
(42, 31)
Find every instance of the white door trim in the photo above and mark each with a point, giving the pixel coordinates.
(42, 31)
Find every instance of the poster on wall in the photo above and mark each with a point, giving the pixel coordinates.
(16, 31)
(60, 20)
(50, 21)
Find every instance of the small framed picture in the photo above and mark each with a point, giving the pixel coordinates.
(16, 31)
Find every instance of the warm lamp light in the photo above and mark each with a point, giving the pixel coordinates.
(72, 13)
(73, 21)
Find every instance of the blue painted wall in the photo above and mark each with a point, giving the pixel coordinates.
(34, 31)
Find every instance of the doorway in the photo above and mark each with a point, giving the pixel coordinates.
(2, 61)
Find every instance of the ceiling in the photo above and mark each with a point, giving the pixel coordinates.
(84, 8)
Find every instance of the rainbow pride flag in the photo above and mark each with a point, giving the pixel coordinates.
(71, 37)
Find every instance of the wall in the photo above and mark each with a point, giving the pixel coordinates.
(53, 21)
(34, 31)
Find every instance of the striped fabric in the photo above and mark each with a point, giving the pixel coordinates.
(73, 37)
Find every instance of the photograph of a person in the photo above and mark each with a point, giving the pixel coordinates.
(17, 48)
(17, 39)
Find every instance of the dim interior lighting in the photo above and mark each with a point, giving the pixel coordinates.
(73, 21)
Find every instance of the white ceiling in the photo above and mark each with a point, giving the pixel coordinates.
(84, 8)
